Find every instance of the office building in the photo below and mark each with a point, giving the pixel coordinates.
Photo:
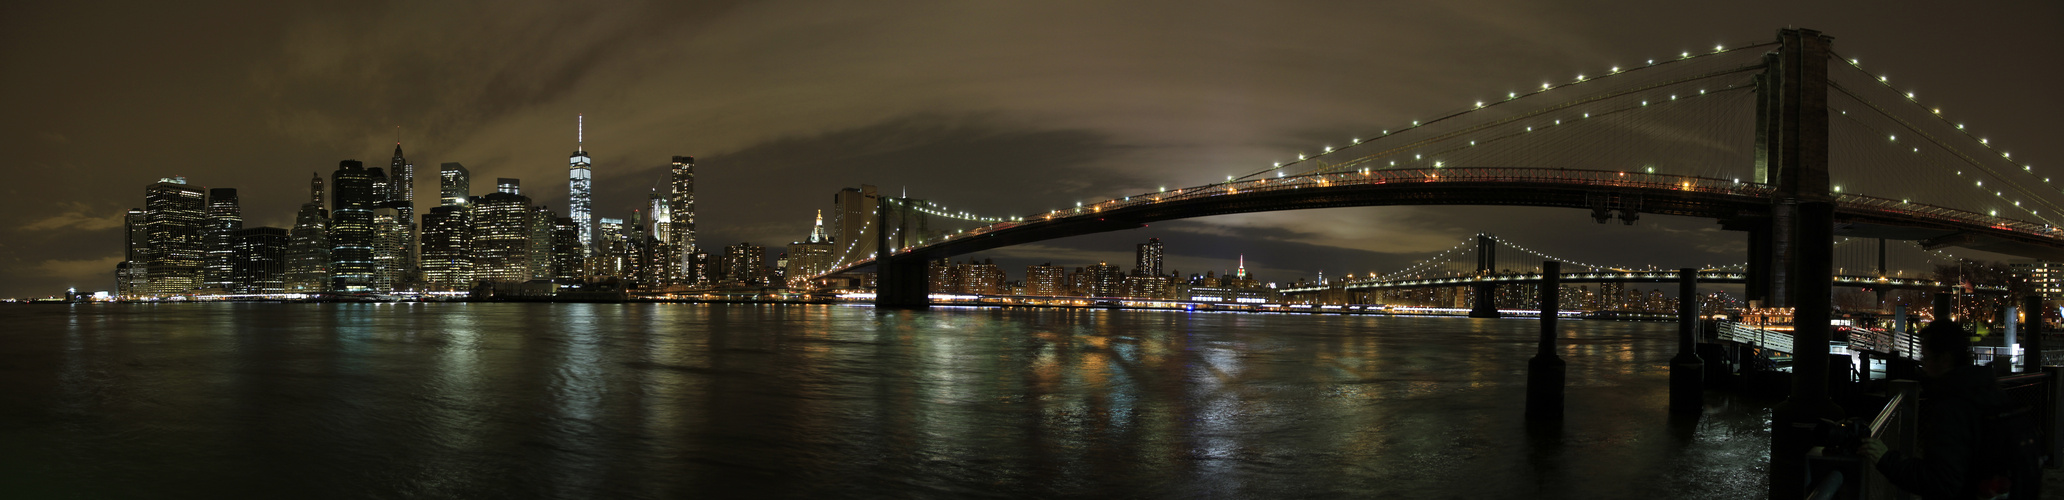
(1046, 280)
(260, 260)
(308, 245)
(390, 244)
(224, 219)
(176, 216)
(354, 193)
(567, 257)
(508, 185)
(744, 264)
(501, 238)
(1147, 257)
(808, 258)
(454, 184)
(580, 196)
(447, 260)
(681, 215)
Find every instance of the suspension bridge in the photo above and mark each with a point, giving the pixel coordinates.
(1786, 140)
(1744, 135)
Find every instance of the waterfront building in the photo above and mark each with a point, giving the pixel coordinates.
(454, 184)
(390, 247)
(354, 193)
(508, 185)
(176, 216)
(808, 258)
(567, 258)
(260, 260)
(744, 264)
(308, 245)
(1105, 280)
(541, 243)
(610, 247)
(2044, 278)
(665, 255)
(580, 196)
(131, 279)
(224, 219)
(1147, 258)
(978, 278)
(1046, 280)
(681, 200)
(701, 270)
(501, 237)
(447, 248)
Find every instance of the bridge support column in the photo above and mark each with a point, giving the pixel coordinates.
(1796, 140)
(900, 282)
(1687, 371)
(1486, 303)
(2032, 345)
(1546, 371)
(1945, 303)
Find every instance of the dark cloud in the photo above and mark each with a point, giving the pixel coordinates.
(991, 107)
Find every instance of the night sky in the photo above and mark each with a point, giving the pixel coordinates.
(991, 107)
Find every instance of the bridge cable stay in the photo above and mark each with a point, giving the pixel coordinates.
(1389, 138)
(1420, 135)
(1462, 140)
(1925, 157)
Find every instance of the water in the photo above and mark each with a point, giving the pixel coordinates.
(676, 401)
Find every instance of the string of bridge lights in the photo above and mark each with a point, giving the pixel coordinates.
(1551, 257)
(1936, 112)
(1509, 97)
(940, 210)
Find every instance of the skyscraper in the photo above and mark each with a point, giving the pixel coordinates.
(447, 248)
(454, 184)
(351, 227)
(308, 245)
(666, 260)
(808, 258)
(580, 200)
(218, 271)
(390, 250)
(743, 263)
(508, 185)
(131, 280)
(501, 238)
(567, 260)
(401, 190)
(681, 203)
(260, 261)
(176, 215)
(1148, 257)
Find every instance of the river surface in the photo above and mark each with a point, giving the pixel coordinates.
(703, 401)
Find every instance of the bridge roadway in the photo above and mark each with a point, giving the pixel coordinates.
(1632, 276)
(1720, 199)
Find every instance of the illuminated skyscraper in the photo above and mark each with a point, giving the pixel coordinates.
(1148, 257)
(567, 262)
(508, 185)
(454, 184)
(580, 201)
(260, 260)
(401, 190)
(177, 217)
(390, 247)
(224, 219)
(501, 238)
(852, 218)
(447, 248)
(351, 227)
(681, 214)
(308, 245)
(131, 280)
(666, 256)
(809, 258)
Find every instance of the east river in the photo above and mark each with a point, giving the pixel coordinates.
(485, 400)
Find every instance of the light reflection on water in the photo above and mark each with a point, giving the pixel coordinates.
(641, 400)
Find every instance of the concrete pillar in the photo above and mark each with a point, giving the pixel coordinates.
(1546, 371)
(2012, 328)
(1945, 305)
(1687, 371)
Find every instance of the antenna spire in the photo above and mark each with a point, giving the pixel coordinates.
(580, 132)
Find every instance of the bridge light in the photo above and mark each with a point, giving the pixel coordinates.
(1558, 121)
(1479, 104)
(1984, 141)
(1881, 79)
(1473, 143)
(1938, 111)
(1995, 213)
(1673, 97)
(1893, 137)
(1511, 95)
(1651, 170)
(1909, 96)
(1960, 126)
(1357, 140)
(1615, 69)
(1329, 149)
(1644, 102)
(1587, 115)
(1544, 85)
(1300, 156)
(1687, 54)
(1436, 164)
(1853, 62)
(1719, 48)
(1580, 77)
(1838, 189)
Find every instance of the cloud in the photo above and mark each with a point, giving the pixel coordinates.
(94, 270)
(76, 217)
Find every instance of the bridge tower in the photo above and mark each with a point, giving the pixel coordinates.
(1485, 304)
(900, 281)
(1792, 251)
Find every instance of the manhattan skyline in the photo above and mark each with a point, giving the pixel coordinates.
(987, 109)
